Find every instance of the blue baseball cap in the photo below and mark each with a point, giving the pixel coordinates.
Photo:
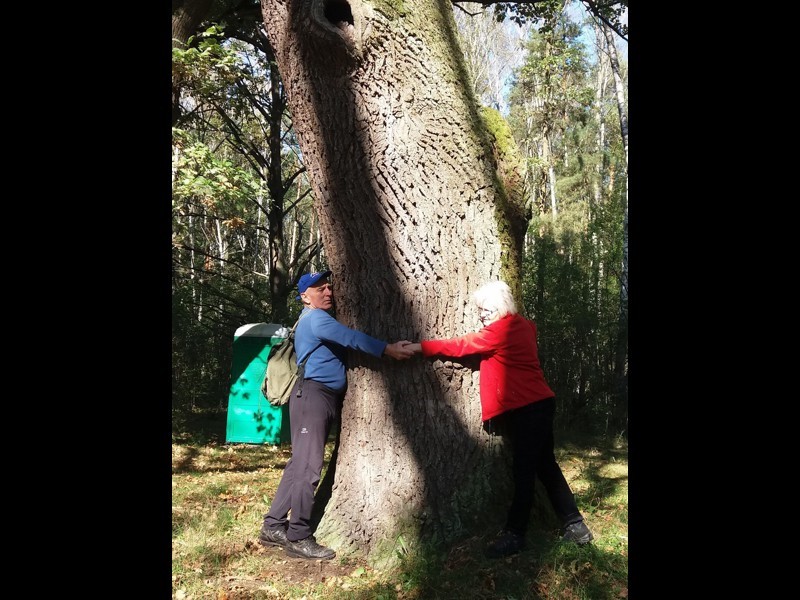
(309, 279)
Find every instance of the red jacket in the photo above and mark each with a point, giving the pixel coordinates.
(510, 373)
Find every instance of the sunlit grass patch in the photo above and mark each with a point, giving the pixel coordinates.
(220, 494)
(592, 572)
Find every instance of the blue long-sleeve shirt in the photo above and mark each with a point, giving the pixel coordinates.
(327, 341)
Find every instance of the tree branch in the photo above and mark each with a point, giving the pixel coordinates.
(596, 10)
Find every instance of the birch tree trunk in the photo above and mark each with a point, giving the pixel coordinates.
(621, 354)
(413, 219)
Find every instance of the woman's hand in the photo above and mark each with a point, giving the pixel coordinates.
(399, 350)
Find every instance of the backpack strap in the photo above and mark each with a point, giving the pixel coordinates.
(301, 368)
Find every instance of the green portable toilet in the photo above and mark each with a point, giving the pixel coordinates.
(251, 418)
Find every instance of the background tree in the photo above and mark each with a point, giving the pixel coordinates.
(186, 18)
(572, 255)
(608, 52)
(492, 49)
(238, 186)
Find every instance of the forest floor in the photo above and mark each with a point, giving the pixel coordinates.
(220, 493)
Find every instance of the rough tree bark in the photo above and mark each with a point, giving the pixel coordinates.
(414, 218)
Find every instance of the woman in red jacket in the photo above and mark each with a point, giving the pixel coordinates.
(517, 402)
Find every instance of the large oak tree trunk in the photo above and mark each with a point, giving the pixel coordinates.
(414, 219)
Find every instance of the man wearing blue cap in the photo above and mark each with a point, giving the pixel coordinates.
(314, 406)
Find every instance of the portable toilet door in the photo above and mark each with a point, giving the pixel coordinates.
(251, 418)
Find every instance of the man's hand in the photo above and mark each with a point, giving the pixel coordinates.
(399, 350)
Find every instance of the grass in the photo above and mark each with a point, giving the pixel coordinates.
(220, 493)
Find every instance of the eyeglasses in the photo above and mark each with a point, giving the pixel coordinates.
(486, 313)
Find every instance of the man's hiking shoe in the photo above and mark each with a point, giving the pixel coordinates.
(578, 533)
(273, 537)
(308, 548)
(506, 544)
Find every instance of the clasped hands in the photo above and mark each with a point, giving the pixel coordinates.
(403, 349)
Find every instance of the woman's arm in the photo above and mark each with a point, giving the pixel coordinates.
(485, 341)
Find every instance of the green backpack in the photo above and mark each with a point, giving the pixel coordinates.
(282, 371)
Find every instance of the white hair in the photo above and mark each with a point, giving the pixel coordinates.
(496, 295)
